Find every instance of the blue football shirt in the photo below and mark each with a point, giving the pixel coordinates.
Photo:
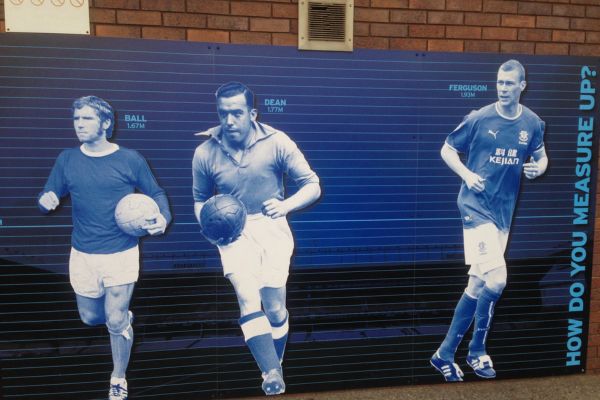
(496, 148)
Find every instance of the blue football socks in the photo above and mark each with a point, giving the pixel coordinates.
(258, 337)
(280, 335)
(461, 321)
(483, 320)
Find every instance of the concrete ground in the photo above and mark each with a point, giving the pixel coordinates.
(576, 387)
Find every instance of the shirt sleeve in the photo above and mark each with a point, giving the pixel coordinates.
(537, 142)
(146, 183)
(460, 138)
(294, 163)
(56, 181)
(203, 185)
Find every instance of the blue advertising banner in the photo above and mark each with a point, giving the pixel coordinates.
(378, 266)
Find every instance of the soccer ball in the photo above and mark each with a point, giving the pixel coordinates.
(132, 211)
(222, 216)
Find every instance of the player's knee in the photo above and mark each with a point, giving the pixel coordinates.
(474, 287)
(496, 280)
(90, 318)
(117, 322)
(276, 312)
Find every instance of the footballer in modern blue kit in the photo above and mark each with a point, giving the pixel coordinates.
(501, 141)
(248, 160)
(104, 261)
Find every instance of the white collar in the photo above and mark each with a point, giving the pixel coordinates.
(113, 147)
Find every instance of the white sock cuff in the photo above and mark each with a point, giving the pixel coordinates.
(281, 331)
(256, 327)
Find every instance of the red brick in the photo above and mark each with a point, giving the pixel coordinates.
(590, 2)
(585, 50)
(592, 351)
(101, 15)
(294, 26)
(500, 6)
(585, 24)
(361, 29)
(122, 4)
(463, 32)
(552, 22)
(269, 25)
(408, 44)
(409, 16)
(285, 39)
(445, 18)
(535, 35)
(285, 10)
(227, 22)
(534, 8)
(206, 35)
(568, 36)
(251, 8)
(250, 37)
(139, 17)
(592, 37)
(389, 3)
(208, 6)
(592, 12)
(445, 45)
(2, 26)
(568, 10)
(184, 20)
(517, 47)
(479, 19)
(118, 31)
(518, 21)
(163, 5)
(499, 33)
(154, 32)
(427, 4)
(371, 43)
(482, 46)
(357, 3)
(371, 15)
(389, 30)
(426, 31)
(464, 5)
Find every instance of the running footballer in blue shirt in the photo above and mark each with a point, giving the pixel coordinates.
(502, 141)
(104, 261)
(247, 159)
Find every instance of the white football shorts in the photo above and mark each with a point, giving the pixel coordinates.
(263, 251)
(91, 273)
(484, 248)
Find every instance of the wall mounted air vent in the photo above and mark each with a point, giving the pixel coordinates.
(325, 25)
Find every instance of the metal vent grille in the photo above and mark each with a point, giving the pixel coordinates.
(325, 25)
(326, 21)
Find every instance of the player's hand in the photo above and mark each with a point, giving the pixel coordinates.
(49, 201)
(156, 225)
(274, 208)
(475, 182)
(531, 169)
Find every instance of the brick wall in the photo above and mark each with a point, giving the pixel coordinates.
(554, 27)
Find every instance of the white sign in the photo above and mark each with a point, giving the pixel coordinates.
(47, 16)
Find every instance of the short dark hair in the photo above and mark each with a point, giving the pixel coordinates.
(103, 110)
(512, 65)
(233, 88)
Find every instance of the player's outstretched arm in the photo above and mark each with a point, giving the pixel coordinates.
(304, 197)
(537, 165)
(473, 181)
(48, 201)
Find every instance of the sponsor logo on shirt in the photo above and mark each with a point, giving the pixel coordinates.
(523, 137)
(493, 133)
